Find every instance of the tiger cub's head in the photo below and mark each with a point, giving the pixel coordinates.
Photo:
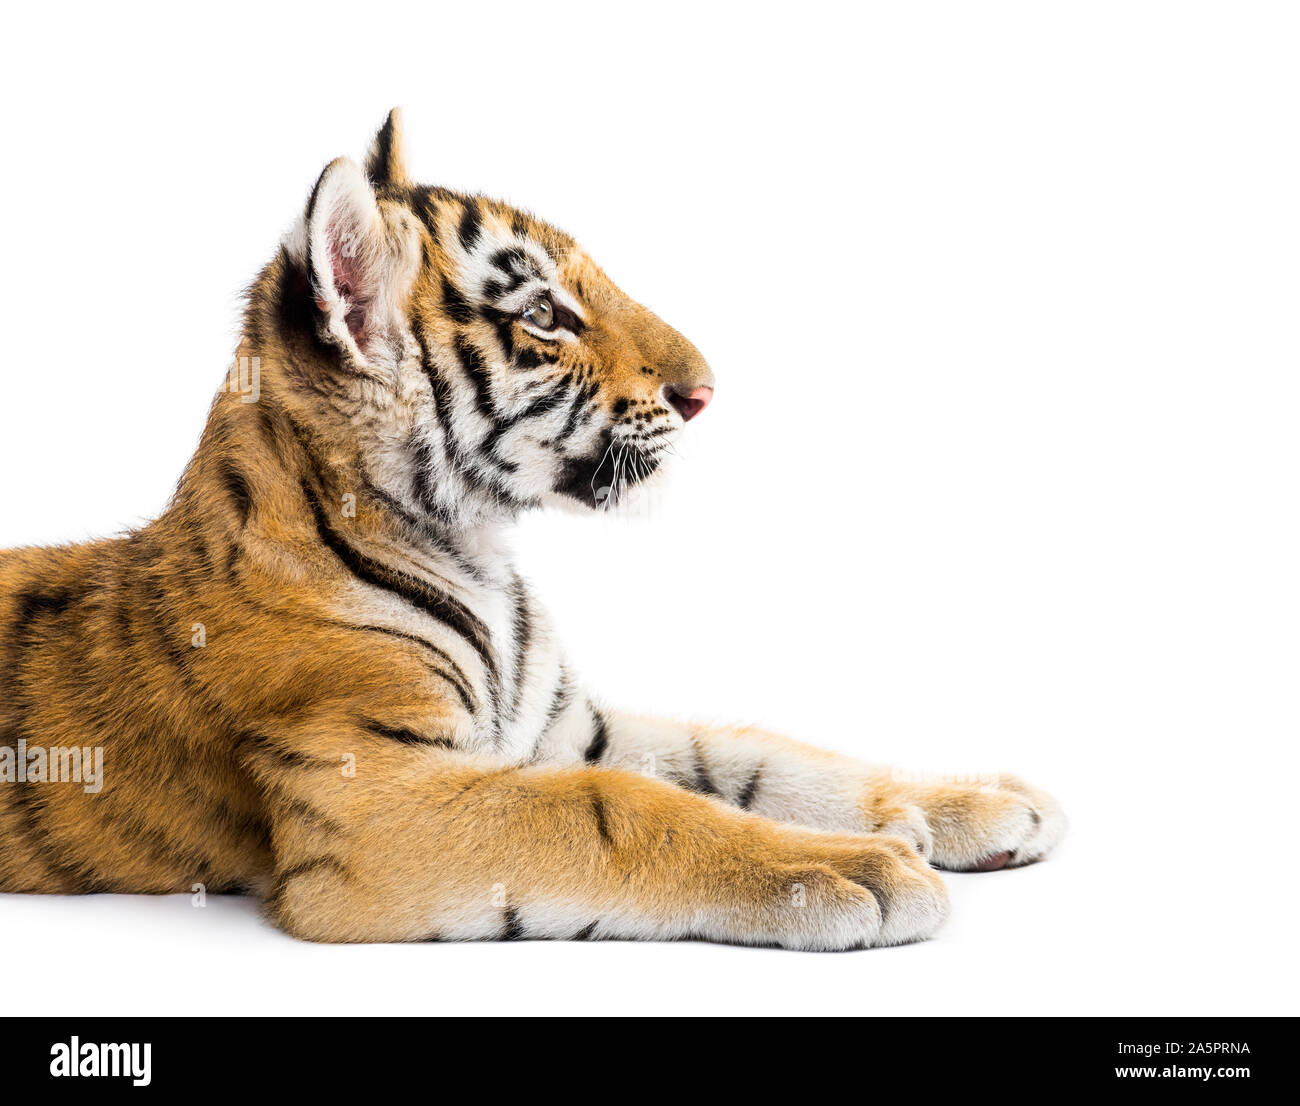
(482, 362)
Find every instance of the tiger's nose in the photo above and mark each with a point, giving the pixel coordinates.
(688, 404)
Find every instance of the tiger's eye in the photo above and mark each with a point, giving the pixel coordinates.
(541, 314)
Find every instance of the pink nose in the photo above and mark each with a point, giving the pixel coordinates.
(688, 406)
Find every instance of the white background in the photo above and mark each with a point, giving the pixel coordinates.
(1001, 472)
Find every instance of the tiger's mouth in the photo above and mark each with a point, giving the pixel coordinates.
(616, 466)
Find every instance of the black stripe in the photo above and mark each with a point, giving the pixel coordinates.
(478, 781)
(437, 384)
(405, 736)
(438, 605)
(601, 814)
(547, 402)
(316, 864)
(599, 739)
(236, 485)
(303, 811)
(559, 701)
(523, 630)
(702, 783)
(746, 799)
(471, 361)
(571, 423)
(422, 475)
(156, 608)
(513, 262)
(494, 290)
(456, 677)
(380, 166)
(199, 552)
(33, 604)
(584, 934)
(657, 432)
(455, 304)
(428, 212)
(512, 930)
(289, 758)
(311, 210)
(468, 230)
(504, 325)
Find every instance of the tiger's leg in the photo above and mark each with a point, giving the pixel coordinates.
(446, 847)
(963, 825)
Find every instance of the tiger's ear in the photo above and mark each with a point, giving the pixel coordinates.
(362, 259)
(386, 162)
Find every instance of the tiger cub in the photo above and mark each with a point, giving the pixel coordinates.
(319, 679)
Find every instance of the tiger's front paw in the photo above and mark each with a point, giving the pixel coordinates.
(975, 826)
(858, 892)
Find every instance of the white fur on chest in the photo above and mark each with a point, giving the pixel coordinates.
(528, 660)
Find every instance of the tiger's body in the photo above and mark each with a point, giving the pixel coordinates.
(319, 678)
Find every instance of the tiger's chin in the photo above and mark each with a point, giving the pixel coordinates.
(622, 478)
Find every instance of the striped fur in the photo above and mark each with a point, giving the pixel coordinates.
(318, 677)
